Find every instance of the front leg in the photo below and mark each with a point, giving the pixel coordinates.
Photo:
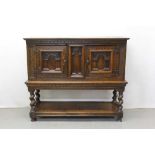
(33, 105)
(37, 94)
(120, 103)
(114, 98)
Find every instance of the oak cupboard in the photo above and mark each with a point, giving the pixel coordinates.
(76, 63)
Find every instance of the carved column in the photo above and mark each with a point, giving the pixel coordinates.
(114, 98)
(120, 103)
(37, 95)
(33, 105)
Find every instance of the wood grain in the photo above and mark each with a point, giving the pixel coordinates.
(76, 109)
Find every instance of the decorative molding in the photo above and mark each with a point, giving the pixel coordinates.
(76, 85)
(53, 41)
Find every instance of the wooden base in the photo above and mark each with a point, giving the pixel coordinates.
(76, 109)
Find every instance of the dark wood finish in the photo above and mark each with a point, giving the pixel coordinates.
(76, 63)
(88, 109)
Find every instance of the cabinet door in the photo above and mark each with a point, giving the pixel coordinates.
(103, 62)
(52, 62)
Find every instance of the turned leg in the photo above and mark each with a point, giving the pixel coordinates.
(33, 105)
(114, 98)
(115, 102)
(120, 103)
(37, 95)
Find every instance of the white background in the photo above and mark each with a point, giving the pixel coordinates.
(69, 18)
(81, 18)
(77, 142)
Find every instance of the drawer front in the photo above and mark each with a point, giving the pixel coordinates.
(104, 62)
(51, 62)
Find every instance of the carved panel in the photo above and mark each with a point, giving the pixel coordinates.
(100, 59)
(76, 61)
(51, 61)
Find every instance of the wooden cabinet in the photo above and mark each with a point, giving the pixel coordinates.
(76, 63)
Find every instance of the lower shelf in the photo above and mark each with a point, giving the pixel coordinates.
(76, 109)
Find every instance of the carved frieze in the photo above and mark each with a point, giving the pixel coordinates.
(67, 41)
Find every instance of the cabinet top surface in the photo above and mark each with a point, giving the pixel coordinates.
(98, 38)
